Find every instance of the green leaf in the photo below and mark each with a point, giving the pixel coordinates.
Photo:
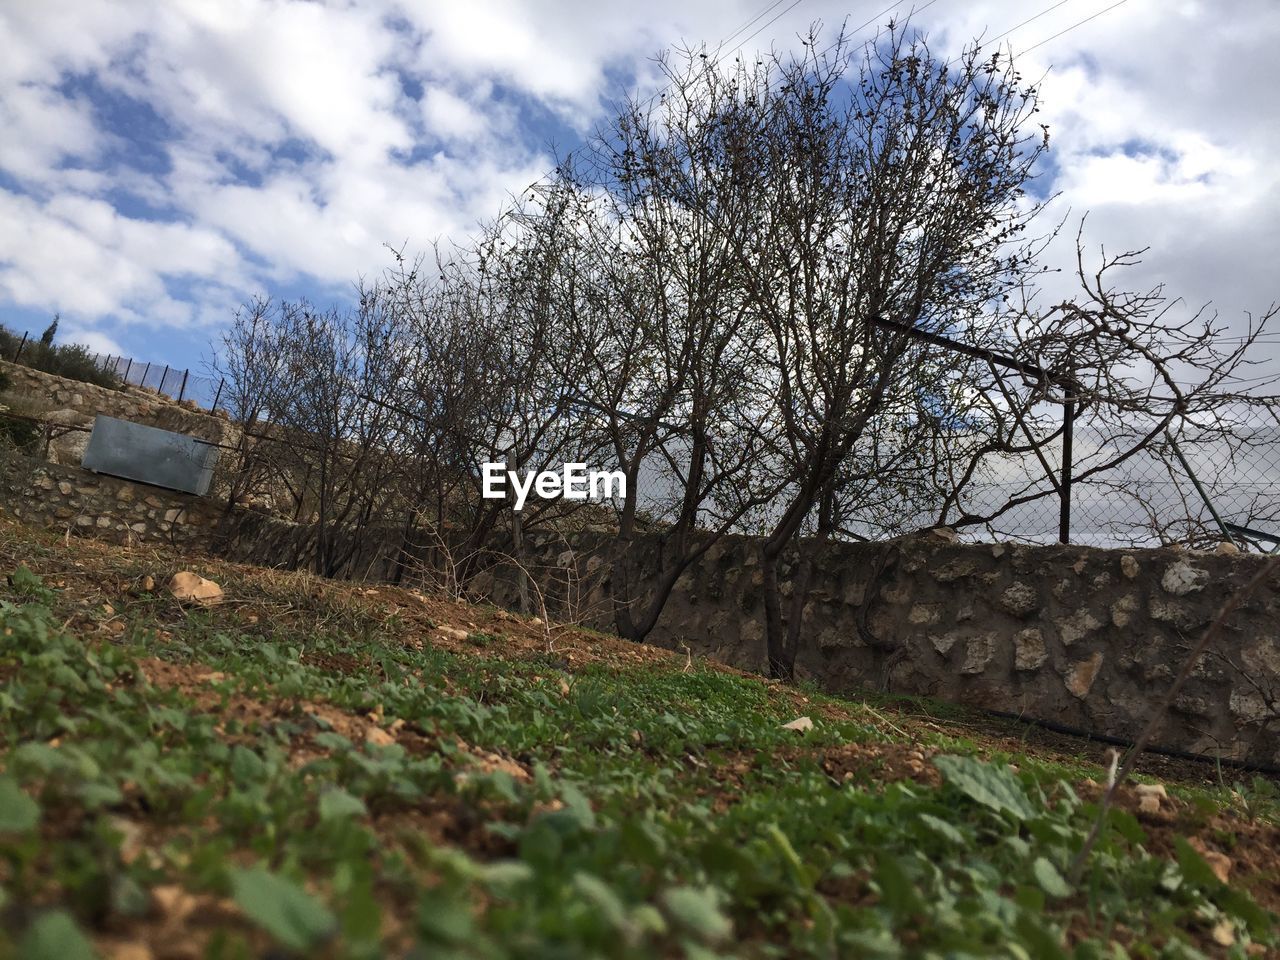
(282, 908)
(1194, 867)
(896, 887)
(992, 785)
(443, 918)
(55, 936)
(576, 802)
(246, 766)
(697, 909)
(1242, 905)
(18, 812)
(603, 898)
(942, 828)
(1050, 880)
(336, 803)
(506, 873)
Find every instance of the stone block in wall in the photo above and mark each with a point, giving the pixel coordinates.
(1029, 649)
(1081, 624)
(978, 653)
(1020, 599)
(1080, 675)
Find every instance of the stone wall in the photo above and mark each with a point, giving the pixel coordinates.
(1079, 636)
(72, 405)
(85, 503)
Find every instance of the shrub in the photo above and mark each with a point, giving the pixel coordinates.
(20, 435)
(68, 360)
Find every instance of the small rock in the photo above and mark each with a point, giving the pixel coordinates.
(925, 613)
(978, 653)
(378, 737)
(453, 633)
(535, 621)
(172, 903)
(1224, 933)
(1219, 863)
(1149, 796)
(132, 839)
(127, 951)
(1181, 578)
(1076, 628)
(799, 723)
(1080, 679)
(1128, 566)
(1029, 650)
(943, 642)
(1226, 549)
(188, 586)
(1020, 599)
(945, 533)
(1123, 609)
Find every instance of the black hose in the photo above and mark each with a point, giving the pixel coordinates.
(1247, 766)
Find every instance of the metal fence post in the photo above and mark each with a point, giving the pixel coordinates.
(17, 353)
(217, 395)
(1064, 511)
(182, 390)
(127, 368)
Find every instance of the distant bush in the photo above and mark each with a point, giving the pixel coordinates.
(20, 435)
(68, 360)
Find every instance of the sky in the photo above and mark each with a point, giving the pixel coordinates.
(163, 162)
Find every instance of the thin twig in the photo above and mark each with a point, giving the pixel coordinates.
(1157, 717)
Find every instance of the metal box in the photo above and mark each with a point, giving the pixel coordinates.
(150, 455)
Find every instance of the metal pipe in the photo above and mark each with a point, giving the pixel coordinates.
(1177, 452)
(1068, 431)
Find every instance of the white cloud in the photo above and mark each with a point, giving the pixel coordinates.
(294, 149)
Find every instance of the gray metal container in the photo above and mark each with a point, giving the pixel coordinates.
(150, 455)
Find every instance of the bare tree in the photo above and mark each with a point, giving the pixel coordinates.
(250, 362)
(673, 375)
(889, 190)
(1119, 374)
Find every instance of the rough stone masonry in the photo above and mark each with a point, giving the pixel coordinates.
(1079, 636)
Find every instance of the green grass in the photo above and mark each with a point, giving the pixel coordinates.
(639, 812)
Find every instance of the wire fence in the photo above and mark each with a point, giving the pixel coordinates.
(1199, 484)
(178, 384)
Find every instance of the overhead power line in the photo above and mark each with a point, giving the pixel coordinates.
(721, 45)
(1032, 19)
(1078, 23)
(762, 28)
(752, 21)
(889, 9)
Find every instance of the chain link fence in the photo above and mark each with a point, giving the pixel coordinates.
(1200, 483)
(178, 384)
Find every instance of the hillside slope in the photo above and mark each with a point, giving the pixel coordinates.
(320, 769)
